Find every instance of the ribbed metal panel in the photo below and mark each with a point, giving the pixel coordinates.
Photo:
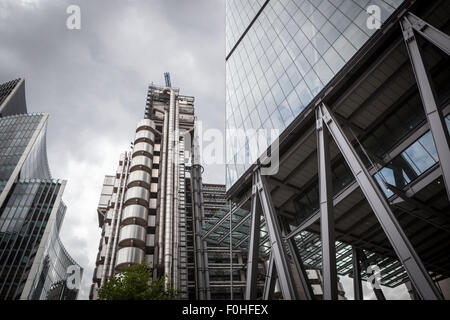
(145, 135)
(139, 177)
(145, 124)
(132, 235)
(129, 255)
(137, 195)
(134, 220)
(134, 211)
(142, 147)
(141, 162)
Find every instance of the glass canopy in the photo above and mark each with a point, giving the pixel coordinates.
(216, 231)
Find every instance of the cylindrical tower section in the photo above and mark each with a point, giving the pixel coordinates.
(133, 231)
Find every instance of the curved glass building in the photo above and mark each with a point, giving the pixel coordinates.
(32, 257)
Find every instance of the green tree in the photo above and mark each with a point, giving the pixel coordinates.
(136, 283)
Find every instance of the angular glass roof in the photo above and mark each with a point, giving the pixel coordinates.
(216, 230)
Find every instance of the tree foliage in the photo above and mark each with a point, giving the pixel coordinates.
(136, 283)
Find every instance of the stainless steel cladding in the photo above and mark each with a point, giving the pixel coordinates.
(137, 195)
(168, 234)
(133, 231)
(148, 217)
(145, 135)
(133, 213)
(161, 218)
(141, 162)
(113, 230)
(139, 177)
(145, 124)
(142, 147)
(132, 235)
(129, 255)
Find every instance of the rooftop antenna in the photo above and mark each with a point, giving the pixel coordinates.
(167, 79)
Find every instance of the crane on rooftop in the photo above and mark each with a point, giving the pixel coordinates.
(167, 79)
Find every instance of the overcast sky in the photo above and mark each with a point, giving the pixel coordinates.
(93, 83)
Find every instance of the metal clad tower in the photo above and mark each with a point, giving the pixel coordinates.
(142, 208)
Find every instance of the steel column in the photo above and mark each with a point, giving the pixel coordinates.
(434, 115)
(397, 238)
(357, 284)
(329, 271)
(285, 278)
(298, 264)
(414, 293)
(432, 34)
(269, 285)
(253, 250)
(231, 251)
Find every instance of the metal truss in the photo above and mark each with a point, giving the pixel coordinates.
(326, 124)
(357, 284)
(411, 25)
(262, 202)
(329, 271)
(399, 241)
(253, 250)
(271, 276)
(306, 289)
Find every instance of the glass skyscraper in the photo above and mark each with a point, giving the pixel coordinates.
(358, 92)
(280, 54)
(32, 257)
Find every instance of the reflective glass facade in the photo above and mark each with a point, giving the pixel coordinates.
(286, 57)
(23, 221)
(33, 261)
(50, 282)
(15, 135)
(295, 53)
(6, 89)
(12, 98)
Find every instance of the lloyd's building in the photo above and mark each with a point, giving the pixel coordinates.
(142, 207)
(359, 91)
(34, 265)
